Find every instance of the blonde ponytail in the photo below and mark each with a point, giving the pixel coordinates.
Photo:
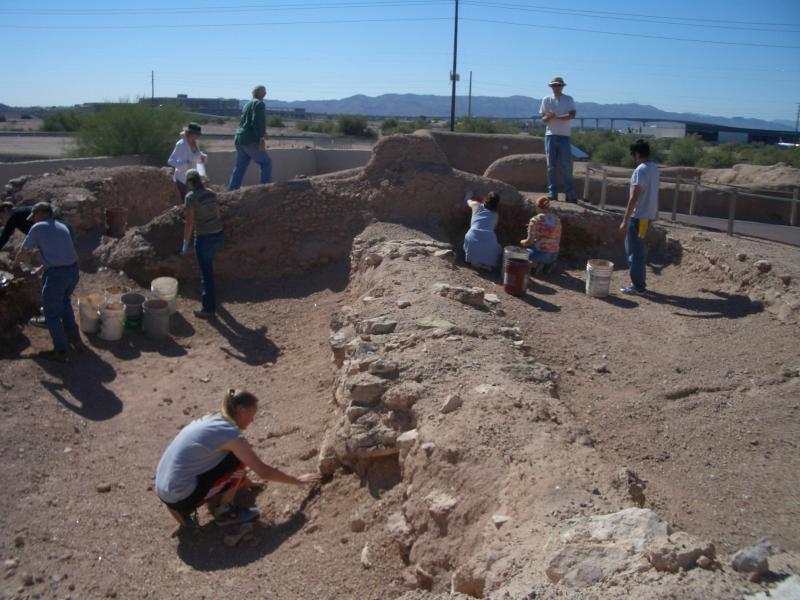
(233, 400)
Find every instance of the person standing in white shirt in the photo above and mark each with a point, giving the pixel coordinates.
(641, 210)
(557, 112)
(186, 155)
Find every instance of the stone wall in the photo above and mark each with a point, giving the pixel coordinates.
(276, 229)
(82, 195)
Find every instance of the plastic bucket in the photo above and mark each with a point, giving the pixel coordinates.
(89, 312)
(113, 294)
(165, 288)
(116, 221)
(112, 320)
(516, 267)
(598, 277)
(133, 310)
(156, 318)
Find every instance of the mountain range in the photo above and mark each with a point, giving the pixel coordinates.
(414, 105)
(510, 107)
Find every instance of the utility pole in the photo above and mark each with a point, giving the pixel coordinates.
(469, 102)
(454, 75)
(152, 89)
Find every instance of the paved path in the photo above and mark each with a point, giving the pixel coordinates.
(778, 233)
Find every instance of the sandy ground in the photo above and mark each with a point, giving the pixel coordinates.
(686, 387)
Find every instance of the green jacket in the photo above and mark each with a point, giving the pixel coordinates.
(253, 124)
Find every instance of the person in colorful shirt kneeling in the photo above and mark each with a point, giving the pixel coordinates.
(544, 237)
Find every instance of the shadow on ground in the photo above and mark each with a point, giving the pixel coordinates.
(721, 306)
(251, 346)
(204, 550)
(81, 388)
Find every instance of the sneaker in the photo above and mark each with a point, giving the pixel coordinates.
(54, 355)
(631, 291)
(233, 515)
(38, 322)
(204, 314)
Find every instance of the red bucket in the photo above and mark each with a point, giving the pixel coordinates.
(515, 276)
(116, 221)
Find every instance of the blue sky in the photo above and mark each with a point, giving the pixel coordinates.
(720, 57)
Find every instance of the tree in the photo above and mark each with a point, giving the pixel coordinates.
(355, 125)
(130, 129)
(63, 120)
(275, 121)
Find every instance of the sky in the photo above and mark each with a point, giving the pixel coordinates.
(718, 57)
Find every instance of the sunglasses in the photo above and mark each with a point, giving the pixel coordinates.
(556, 85)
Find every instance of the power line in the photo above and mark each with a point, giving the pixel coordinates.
(608, 14)
(634, 35)
(182, 10)
(219, 25)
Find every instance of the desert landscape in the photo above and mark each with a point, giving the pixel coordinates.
(471, 443)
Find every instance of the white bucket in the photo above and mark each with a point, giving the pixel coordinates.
(598, 277)
(112, 321)
(156, 318)
(113, 295)
(165, 288)
(88, 312)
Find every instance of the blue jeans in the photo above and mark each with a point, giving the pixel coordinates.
(244, 154)
(559, 156)
(205, 247)
(58, 283)
(637, 255)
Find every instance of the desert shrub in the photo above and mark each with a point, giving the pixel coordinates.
(613, 152)
(355, 125)
(685, 152)
(275, 121)
(63, 120)
(130, 129)
(391, 125)
(722, 157)
(484, 125)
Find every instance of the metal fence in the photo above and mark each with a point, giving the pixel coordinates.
(734, 193)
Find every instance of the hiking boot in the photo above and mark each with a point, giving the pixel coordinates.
(204, 314)
(59, 356)
(39, 321)
(631, 291)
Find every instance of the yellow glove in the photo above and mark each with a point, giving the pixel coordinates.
(523, 242)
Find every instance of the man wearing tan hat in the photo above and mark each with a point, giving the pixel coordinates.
(557, 112)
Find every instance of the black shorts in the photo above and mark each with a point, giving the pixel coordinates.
(205, 482)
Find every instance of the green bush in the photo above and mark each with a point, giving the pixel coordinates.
(130, 129)
(685, 152)
(63, 120)
(611, 153)
(391, 125)
(722, 157)
(275, 121)
(355, 125)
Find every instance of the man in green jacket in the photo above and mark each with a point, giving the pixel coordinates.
(251, 139)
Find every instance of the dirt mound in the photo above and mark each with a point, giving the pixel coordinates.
(303, 224)
(82, 195)
(523, 171)
(772, 177)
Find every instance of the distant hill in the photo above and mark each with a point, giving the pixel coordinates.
(414, 105)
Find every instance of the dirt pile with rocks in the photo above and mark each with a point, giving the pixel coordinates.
(82, 195)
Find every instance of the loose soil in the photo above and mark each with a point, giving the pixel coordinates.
(686, 387)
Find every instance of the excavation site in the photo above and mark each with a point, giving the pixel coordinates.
(470, 442)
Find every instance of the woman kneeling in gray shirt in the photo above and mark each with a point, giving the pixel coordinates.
(206, 463)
